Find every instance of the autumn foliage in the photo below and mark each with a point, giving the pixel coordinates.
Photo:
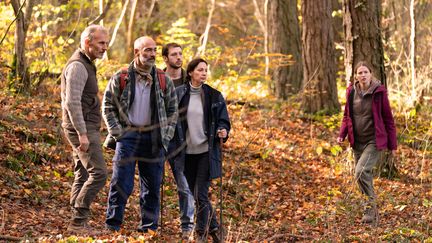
(284, 180)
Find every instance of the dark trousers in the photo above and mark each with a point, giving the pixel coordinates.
(135, 148)
(186, 200)
(198, 176)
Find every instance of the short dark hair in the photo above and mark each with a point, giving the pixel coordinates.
(192, 65)
(165, 48)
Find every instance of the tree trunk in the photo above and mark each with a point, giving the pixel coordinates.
(22, 76)
(363, 41)
(414, 97)
(286, 40)
(129, 36)
(319, 62)
(263, 23)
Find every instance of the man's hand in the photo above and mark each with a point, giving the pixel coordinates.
(222, 133)
(339, 140)
(84, 142)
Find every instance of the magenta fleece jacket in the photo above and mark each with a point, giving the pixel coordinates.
(385, 130)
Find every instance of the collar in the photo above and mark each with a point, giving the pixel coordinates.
(182, 73)
(372, 87)
(142, 75)
(85, 54)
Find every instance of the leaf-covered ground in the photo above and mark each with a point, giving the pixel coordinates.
(284, 180)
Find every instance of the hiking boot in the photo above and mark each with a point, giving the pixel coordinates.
(370, 215)
(187, 235)
(217, 234)
(111, 228)
(201, 239)
(82, 229)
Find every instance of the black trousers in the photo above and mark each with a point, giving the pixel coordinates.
(197, 174)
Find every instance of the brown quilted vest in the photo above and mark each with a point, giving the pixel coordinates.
(89, 100)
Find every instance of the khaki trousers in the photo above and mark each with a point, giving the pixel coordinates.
(366, 158)
(90, 174)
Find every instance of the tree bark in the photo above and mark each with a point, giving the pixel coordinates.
(263, 23)
(152, 8)
(129, 37)
(414, 97)
(319, 62)
(363, 40)
(286, 40)
(22, 82)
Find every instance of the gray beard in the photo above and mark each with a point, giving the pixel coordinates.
(147, 66)
(143, 67)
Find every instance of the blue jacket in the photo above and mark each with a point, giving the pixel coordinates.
(215, 118)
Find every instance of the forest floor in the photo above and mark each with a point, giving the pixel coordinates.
(284, 179)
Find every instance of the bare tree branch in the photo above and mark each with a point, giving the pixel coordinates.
(263, 23)
(278, 236)
(17, 11)
(204, 36)
(16, 7)
(10, 238)
(74, 29)
(103, 14)
(28, 14)
(117, 26)
(130, 27)
(149, 13)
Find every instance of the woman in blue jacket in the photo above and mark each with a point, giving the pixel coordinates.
(203, 121)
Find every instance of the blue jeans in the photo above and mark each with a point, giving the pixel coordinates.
(197, 172)
(186, 200)
(135, 147)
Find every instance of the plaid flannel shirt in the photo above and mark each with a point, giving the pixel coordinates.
(115, 106)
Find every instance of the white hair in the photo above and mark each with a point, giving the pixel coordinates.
(89, 31)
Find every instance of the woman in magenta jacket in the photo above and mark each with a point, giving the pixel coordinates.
(369, 124)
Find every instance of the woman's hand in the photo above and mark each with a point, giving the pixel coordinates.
(222, 133)
(339, 140)
(393, 153)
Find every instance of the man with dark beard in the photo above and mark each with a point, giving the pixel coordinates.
(173, 57)
(140, 112)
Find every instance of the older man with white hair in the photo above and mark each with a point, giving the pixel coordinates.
(81, 124)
